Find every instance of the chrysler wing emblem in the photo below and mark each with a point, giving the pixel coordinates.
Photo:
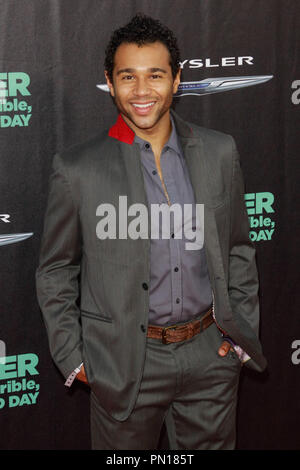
(218, 85)
(213, 85)
(14, 238)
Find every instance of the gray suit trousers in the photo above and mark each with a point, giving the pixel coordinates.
(188, 386)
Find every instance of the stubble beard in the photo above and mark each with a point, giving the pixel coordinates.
(153, 120)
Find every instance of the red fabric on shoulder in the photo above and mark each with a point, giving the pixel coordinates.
(121, 131)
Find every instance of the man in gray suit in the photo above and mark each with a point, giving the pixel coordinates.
(158, 329)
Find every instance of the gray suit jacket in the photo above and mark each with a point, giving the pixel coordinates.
(93, 293)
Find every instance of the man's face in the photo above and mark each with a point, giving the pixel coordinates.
(143, 85)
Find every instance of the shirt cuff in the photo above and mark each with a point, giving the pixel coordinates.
(72, 376)
(242, 355)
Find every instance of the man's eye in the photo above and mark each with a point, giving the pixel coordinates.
(155, 76)
(127, 77)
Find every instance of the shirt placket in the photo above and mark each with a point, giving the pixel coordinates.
(174, 243)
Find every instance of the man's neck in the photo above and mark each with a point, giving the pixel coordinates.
(158, 135)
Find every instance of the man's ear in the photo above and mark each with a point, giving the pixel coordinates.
(109, 84)
(176, 81)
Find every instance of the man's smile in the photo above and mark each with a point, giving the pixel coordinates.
(143, 108)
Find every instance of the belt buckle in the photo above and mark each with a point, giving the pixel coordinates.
(164, 339)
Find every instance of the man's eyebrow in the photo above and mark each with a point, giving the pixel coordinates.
(157, 69)
(125, 71)
(152, 70)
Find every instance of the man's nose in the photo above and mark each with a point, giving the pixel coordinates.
(141, 87)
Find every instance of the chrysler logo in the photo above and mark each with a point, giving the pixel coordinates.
(212, 85)
(14, 238)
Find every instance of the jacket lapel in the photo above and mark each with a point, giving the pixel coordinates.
(199, 172)
(134, 175)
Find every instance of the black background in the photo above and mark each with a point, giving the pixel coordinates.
(60, 45)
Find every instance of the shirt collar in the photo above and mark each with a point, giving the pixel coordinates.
(122, 132)
(172, 142)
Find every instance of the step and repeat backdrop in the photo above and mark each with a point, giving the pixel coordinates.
(244, 60)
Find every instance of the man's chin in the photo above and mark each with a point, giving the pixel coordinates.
(143, 123)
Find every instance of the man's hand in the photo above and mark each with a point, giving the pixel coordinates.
(224, 348)
(81, 375)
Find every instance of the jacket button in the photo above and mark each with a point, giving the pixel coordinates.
(143, 328)
(145, 286)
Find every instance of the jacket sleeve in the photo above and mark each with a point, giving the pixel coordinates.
(57, 276)
(243, 277)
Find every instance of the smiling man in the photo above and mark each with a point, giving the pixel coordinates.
(144, 94)
(157, 331)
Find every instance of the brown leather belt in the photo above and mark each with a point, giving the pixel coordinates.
(176, 333)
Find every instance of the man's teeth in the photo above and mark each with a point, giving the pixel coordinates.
(147, 105)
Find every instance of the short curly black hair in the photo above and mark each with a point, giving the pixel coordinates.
(142, 30)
